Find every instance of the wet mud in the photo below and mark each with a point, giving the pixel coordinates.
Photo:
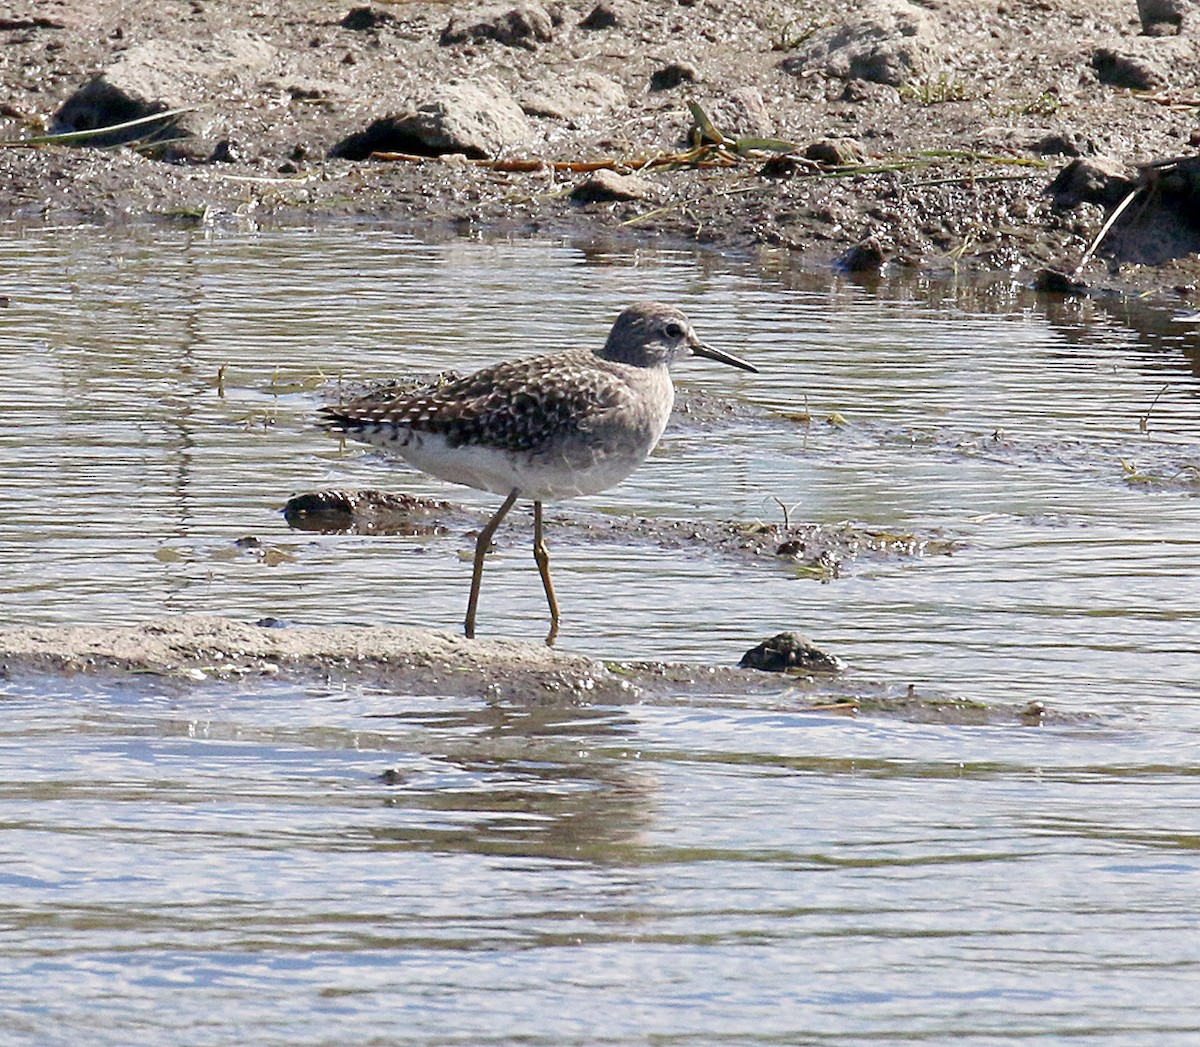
(937, 137)
(186, 652)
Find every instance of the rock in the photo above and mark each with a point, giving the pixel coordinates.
(1125, 69)
(1063, 143)
(1055, 281)
(573, 97)
(744, 114)
(891, 42)
(786, 651)
(366, 511)
(157, 76)
(478, 119)
(607, 14)
(671, 76)
(606, 186)
(360, 19)
(527, 25)
(1175, 186)
(1169, 17)
(101, 104)
(1093, 181)
(225, 152)
(836, 152)
(866, 256)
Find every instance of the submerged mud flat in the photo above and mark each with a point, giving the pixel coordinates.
(935, 137)
(189, 651)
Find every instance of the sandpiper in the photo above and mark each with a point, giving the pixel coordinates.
(569, 423)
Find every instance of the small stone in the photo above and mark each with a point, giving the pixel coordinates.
(605, 15)
(836, 152)
(1127, 70)
(671, 76)
(478, 119)
(1095, 180)
(1168, 17)
(887, 42)
(607, 186)
(866, 256)
(360, 19)
(1055, 281)
(526, 26)
(1063, 143)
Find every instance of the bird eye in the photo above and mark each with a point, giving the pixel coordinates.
(673, 330)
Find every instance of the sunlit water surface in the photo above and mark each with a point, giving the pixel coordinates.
(213, 865)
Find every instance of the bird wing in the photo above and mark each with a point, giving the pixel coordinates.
(517, 405)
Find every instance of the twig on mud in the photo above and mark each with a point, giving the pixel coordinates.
(787, 513)
(712, 148)
(1108, 224)
(971, 179)
(701, 157)
(685, 204)
(1169, 100)
(987, 158)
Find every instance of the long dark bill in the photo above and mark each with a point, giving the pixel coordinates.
(707, 351)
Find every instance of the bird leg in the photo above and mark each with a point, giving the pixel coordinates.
(542, 555)
(482, 544)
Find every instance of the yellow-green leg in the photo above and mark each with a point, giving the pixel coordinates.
(482, 544)
(542, 555)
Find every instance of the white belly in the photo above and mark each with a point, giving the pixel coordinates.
(539, 476)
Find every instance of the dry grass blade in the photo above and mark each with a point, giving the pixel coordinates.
(1109, 223)
(69, 137)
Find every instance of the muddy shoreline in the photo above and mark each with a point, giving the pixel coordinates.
(942, 136)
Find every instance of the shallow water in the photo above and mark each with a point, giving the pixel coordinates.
(215, 866)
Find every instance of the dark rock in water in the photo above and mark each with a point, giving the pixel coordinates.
(1055, 281)
(527, 25)
(606, 186)
(1127, 70)
(671, 76)
(1091, 181)
(866, 256)
(790, 651)
(365, 511)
